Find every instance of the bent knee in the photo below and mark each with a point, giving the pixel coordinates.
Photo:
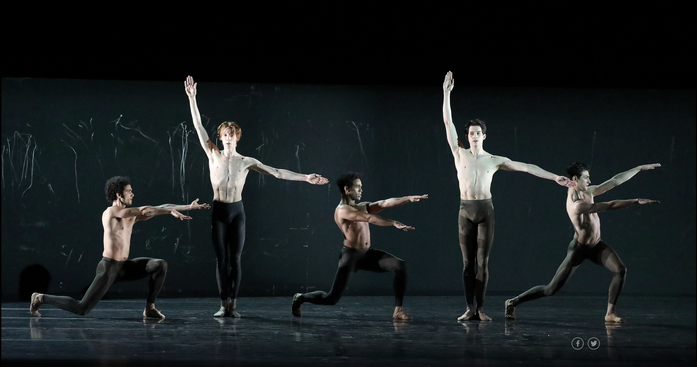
(162, 265)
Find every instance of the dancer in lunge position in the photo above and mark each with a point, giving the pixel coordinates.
(475, 171)
(228, 171)
(118, 221)
(587, 244)
(353, 218)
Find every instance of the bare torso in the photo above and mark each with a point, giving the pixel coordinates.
(117, 235)
(356, 234)
(228, 176)
(586, 225)
(475, 173)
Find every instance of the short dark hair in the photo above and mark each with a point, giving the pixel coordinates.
(115, 185)
(575, 169)
(346, 179)
(475, 122)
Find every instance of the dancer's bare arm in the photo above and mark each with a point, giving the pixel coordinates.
(354, 215)
(392, 202)
(509, 165)
(619, 179)
(148, 212)
(206, 144)
(450, 131)
(284, 174)
(582, 207)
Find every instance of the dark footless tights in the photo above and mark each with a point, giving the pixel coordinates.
(228, 231)
(352, 260)
(108, 272)
(600, 253)
(476, 224)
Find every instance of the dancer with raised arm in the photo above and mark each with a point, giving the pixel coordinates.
(228, 174)
(587, 243)
(475, 171)
(118, 221)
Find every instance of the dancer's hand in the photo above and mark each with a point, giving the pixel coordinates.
(316, 179)
(403, 226)
(179, 215)
(449, 82)
(415, 198)
(649, 166)
(647, 201)
(190, 87)
(195, 205)
(565, 181)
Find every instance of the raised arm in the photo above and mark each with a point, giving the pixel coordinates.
(392, 202)
(147, 212)
(450, 131)
(284, 174)
(582, 207)
(509, 165)
(190, 88)
(353, 215)
(620, 178)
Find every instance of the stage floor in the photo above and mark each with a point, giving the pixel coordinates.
(358, 331)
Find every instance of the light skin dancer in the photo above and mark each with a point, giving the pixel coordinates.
(475, 171)
(353, 218)
(118, 221)
(587, 243)
(228, 174)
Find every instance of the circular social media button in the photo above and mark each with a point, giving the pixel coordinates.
(593, 343)
(577, 343)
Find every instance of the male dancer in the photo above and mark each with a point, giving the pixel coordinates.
(587, 244)
(353, 219)
(475, 171)
(118, 221)
(228, 171)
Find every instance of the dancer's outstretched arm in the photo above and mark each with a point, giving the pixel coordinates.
(509, 165)
(619, 179)
(284, 174)
(392, 202)
(206, 144)
(582, 207)
(450, 131)
(352, 214)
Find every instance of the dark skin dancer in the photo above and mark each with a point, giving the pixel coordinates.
(118, 221)
(353, 219)
(587, 244)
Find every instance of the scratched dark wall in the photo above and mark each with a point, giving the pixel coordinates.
(61, 139)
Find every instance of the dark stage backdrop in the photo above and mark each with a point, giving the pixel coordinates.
(61, 139)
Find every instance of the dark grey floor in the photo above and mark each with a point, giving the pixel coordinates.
(358, 331)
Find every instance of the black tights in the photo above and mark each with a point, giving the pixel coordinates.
(476, 224)
(108, 272)
(352, 260)
(600, 253)
(228, 231)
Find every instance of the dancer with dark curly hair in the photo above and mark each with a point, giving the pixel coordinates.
(118, 221)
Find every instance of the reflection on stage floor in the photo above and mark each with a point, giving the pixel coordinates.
(564, 330)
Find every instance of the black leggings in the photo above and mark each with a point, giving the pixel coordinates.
(600, 253)
(108, 272)
(476, 224)
(228, 230)
(350, 261)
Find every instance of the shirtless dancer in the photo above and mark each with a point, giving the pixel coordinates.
(353, 219)
(228, 170)
(475, 170)
(587, 244)
(118, 221)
